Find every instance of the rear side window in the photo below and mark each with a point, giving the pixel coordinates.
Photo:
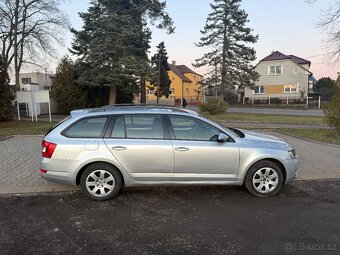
(138, 127)
(87, 128)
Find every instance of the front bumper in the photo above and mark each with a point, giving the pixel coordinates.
(292, 169)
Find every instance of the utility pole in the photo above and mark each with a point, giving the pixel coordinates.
(46, 80)
(159, 74)
(216, 83)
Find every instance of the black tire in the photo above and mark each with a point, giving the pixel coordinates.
(254, 172)
(112, 179)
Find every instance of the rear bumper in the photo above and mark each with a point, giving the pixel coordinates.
(58, 171)
(58, 177)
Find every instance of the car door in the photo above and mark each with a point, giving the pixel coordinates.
(140, 142)
(198, 155)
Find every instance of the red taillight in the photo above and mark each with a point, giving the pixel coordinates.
(43, 171)
(48, 149)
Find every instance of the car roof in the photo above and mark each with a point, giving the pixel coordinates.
(123, 109)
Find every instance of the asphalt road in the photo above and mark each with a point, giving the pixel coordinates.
(302, 219)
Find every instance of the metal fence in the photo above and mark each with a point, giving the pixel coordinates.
(303, 102)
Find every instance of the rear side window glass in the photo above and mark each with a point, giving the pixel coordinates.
(118, 130)
(138, 127)
(87, 128)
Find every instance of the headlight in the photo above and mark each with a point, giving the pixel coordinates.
(292, 154)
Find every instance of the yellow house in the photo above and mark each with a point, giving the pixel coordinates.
(184, 83)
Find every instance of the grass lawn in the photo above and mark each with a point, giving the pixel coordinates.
(321, 135)
(8, 128)
(266, 118)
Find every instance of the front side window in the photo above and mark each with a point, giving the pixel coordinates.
(188, 128)
(275, 70)
(87, 128)
(138, 126)
(259, 89)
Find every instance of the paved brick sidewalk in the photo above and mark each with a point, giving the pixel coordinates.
(317, 160)
(19, 168)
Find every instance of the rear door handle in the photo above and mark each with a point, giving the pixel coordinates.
(119, 148)
(181, 149)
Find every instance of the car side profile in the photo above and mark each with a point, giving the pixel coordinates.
(107, 148)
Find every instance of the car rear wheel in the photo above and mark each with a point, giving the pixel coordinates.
(100, 181)
(264, 179)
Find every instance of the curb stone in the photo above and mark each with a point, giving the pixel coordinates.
(6, 138)
(307, 139)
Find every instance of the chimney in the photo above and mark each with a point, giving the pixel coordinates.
(174, 63)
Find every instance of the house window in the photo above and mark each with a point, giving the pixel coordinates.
(186, 91)
(275, 70)
(259, 89)
(290, 89)
(26, 80)
(194, 78)
(172, 91)
(150, 91)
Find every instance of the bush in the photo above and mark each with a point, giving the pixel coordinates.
(332, 109)
(214, 106)
(275, 100)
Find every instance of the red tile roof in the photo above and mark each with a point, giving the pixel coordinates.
(299, 60)
(280, 56)
(184, 69)
(178, 73)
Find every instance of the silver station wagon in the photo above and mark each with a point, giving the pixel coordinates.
(107, 148)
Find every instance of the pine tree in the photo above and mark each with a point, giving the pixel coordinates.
(324, 87)
(5, 93)
(227, 34)
(112, 46)
(66, 93)
(161, 67)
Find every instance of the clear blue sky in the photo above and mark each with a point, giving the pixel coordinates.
(288, 26)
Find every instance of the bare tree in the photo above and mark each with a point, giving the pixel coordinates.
(329, 24)
(29, 30)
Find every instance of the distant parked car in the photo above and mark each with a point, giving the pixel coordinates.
(107, 148)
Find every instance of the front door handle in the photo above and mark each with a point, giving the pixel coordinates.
(181, 149)
(119, 148)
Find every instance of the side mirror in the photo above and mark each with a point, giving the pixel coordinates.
(222, 138)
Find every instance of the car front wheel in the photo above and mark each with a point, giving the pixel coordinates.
(264, 179)
(100, 181)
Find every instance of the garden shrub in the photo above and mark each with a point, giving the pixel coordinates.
(214, 106)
